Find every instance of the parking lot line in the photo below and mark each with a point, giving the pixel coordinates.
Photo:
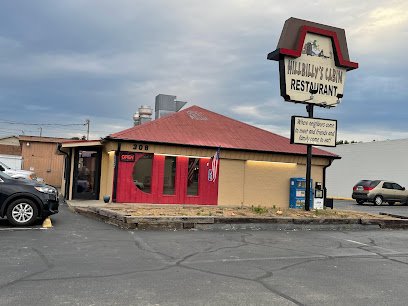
(22, 228)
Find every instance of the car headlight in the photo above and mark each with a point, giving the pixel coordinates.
(46, 189)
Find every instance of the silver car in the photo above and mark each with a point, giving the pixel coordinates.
(379, 191)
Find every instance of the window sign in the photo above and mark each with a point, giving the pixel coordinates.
(127, 157)
(210, 175)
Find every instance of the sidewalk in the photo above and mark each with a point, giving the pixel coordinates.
(124, 216)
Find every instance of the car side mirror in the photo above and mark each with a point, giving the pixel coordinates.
(2, 168)
(403, 188)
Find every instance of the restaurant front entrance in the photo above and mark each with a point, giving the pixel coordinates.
(165, 179)
(87, 173)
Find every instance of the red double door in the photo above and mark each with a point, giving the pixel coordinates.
(129, 190)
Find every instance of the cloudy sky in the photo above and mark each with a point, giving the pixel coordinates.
(64, 61)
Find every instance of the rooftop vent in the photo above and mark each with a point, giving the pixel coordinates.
(143, 115)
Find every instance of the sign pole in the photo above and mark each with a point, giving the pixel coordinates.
(313, 62)
(309, 108)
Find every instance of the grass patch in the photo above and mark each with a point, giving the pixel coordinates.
(259, 210)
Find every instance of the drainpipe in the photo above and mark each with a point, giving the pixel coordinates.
(115, 175)
(324, 180)
(67, 170)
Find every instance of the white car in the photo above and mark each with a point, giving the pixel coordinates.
(30, 175)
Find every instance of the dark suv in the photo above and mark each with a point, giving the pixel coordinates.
(24, 201)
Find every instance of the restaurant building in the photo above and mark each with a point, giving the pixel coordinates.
(194, 156)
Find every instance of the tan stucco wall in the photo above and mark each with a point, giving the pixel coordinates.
(259, 183)
(107, 172)
(208, 152)
(231, 182)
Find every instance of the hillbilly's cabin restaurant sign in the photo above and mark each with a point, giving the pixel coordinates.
(313, 60)
(315, 70)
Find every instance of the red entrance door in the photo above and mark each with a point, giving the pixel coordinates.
(149, 178)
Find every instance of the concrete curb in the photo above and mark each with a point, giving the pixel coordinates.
(342, 198)
(236, 223)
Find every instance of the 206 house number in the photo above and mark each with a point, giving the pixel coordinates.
(140, 147)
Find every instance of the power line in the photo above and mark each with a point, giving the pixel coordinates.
(43, 124)
(51, 128)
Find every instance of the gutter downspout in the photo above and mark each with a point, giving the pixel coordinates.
(115, 175)
(324, 180)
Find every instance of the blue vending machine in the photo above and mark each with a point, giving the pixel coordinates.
(298, 193)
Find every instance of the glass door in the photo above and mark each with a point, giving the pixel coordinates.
(87, 174)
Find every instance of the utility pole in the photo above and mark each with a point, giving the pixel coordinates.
(40, 131)
(87, 121)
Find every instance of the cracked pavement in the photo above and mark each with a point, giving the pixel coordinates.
(81, 261)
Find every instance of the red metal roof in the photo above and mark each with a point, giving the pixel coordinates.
(197, 126)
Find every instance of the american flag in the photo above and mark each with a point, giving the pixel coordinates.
(214, 164)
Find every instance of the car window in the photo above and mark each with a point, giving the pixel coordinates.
(363, 183)
(387, 185)
(5, 176)
(374, 183)
(3, 165)
(396, 186)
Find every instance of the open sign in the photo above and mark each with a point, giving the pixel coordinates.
(127, 157)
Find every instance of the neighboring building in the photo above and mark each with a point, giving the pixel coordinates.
(143, 115)
(10, 152)
(169, 161)
(41, 156)
(370, 160)
(10, 146)
(166, 105)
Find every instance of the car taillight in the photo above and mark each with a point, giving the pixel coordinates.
(368, 188)
(355, 188)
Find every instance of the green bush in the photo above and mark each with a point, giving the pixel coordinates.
(259, 210)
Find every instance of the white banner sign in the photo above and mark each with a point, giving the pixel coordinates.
(313, 131)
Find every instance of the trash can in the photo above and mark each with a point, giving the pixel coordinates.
(328, 203)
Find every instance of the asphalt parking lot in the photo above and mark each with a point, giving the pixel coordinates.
(81, 261)
(6, 226)
(396, 209)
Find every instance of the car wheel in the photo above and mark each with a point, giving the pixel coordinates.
(378, 200)
(359, 202)
(22, 212)
(391, 203)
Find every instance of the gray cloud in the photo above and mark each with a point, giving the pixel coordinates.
(73, 60)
